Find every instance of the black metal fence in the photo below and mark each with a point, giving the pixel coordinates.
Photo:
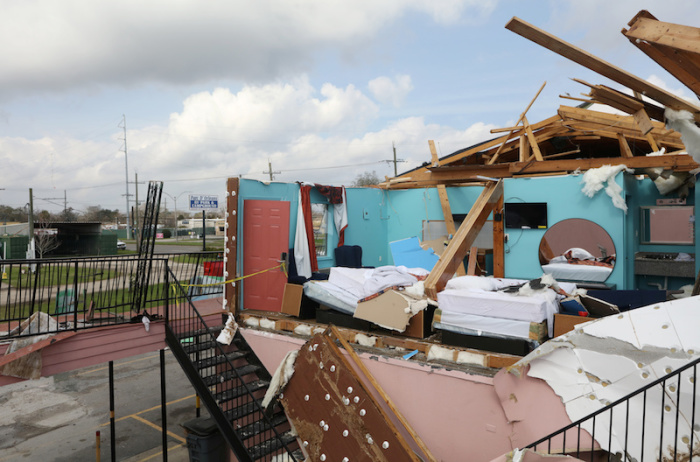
(80, 293)
(654, 423)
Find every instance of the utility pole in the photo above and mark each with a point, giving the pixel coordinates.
(135, 213)
(122, 124)
(30, 219)
(269, 166)
(393, 147)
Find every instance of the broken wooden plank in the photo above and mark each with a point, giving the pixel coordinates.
(471, 267)
(600, 66)
(680, 37)
(457, 249)
(520, 119)
(680, 163)
(643, 121)
(533, 141)
(499, 270)
(445, 203)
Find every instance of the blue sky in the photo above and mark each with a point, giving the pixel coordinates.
(320, 88)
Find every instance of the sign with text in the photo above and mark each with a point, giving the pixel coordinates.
(203, 202)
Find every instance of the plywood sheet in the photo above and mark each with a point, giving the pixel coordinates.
(334, 414)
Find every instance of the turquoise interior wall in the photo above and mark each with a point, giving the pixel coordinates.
(368, 223)
(564, 200)
(641, 193)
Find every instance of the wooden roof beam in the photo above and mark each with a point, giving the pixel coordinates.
(520, 119)
(644, 26)
(600, 66)
(682, 163)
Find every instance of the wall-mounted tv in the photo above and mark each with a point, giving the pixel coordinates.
(526, 215)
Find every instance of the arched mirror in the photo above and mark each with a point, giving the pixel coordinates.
(577, 250)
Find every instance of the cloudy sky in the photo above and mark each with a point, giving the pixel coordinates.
(320, 89)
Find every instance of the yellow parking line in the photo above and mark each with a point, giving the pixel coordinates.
(160, 429)
(159, 454)
(149, 409)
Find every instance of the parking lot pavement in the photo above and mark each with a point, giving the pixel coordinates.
(56, 418)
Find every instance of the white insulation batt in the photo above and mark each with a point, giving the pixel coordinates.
(596, 179)
(684, 123)
(608, 358)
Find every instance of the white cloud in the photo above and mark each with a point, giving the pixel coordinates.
(323, 135)
(49, 45)
(388, 91)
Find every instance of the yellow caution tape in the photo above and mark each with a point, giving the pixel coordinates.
(281, 265)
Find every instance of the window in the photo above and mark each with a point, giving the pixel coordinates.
(319, 219)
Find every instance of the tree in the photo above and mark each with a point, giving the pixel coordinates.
(45, 238)
(366, 179)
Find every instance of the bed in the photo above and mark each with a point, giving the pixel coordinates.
(478, 303)
(577, 272)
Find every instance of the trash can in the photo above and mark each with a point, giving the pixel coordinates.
(204, 441)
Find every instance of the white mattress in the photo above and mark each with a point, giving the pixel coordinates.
(534, 308)
(483, 324)
(328, 294)
(577, 272)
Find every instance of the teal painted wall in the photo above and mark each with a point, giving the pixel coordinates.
(564, 200)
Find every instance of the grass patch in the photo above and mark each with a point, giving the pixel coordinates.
(54, 275)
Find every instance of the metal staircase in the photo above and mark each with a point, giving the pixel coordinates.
(231, 381)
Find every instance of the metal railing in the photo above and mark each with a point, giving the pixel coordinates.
(656, 422)
(228, 382)
(89, 292)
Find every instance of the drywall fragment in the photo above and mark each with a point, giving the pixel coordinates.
(282, 375)
(228, 332)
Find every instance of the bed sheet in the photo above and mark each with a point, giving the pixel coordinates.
(328, 294)
(577, 272)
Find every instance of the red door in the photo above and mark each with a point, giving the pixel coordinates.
(265, 237)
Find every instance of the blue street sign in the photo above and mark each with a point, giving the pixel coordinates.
(204, 202)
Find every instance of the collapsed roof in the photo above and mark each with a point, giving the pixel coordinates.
(580, 138)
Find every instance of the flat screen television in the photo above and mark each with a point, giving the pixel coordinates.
(526, 215)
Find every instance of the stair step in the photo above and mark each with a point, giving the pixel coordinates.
(219, 359)
(228, 375)
(267, 447)
(242, 411)
(260, 426)
(234, 393)
(207, 330)
(201, 346)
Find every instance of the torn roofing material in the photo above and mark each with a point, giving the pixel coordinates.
(606, 359)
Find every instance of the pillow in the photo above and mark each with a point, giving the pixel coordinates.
(470, 282)
(581, 254)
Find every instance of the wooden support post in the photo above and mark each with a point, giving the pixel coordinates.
(471, 267)
(498, 240)
(524, 152)
(624, 146)
(533, 141)
(445, 203)
(231, 244)
(457, 249)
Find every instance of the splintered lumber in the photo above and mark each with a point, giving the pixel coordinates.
(600, 66)
(673, 47)
(445, 203)
(520, 119)
(458, 247)
(624, 146)
(679, 163)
